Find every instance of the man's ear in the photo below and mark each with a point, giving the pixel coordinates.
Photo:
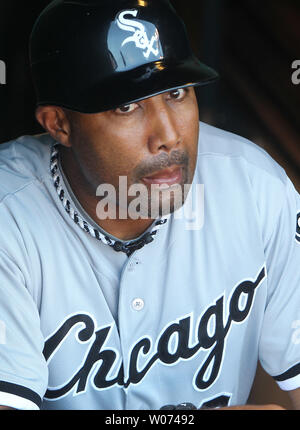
(54, 120)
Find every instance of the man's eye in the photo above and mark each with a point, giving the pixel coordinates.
(126, 108)
(178, 94)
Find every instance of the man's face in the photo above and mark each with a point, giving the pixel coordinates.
(149, 143)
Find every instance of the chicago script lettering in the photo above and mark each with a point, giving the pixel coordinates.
(106, 358)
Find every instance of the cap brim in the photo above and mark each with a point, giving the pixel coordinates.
(144, 82)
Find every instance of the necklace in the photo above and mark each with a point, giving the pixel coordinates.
(127, 247)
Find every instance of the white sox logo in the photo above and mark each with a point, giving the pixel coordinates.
(106, 358)
(140, 37)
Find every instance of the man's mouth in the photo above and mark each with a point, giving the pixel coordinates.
(169, 177)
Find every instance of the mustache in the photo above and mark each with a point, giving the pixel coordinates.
(162, 161)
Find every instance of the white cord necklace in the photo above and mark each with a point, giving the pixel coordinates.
(127, 247)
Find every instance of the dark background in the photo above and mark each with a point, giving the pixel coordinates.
(252, 43)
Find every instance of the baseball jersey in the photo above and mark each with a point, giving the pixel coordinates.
(182, 319)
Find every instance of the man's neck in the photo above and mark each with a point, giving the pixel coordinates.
(123, 229)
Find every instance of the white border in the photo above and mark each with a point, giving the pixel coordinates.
(17, 402)
(289, 384)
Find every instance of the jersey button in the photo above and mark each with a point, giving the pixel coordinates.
(133, 264)
(138, 304)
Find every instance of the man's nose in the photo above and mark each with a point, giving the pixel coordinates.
(164, 132)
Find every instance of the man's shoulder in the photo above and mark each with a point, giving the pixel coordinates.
(220, 143)
(23, 161)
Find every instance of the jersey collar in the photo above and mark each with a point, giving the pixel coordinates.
(128, 247)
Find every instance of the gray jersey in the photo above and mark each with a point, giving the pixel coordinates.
(183, 319)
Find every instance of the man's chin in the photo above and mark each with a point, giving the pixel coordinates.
(164, 202)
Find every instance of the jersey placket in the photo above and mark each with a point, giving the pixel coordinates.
(133, 304)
